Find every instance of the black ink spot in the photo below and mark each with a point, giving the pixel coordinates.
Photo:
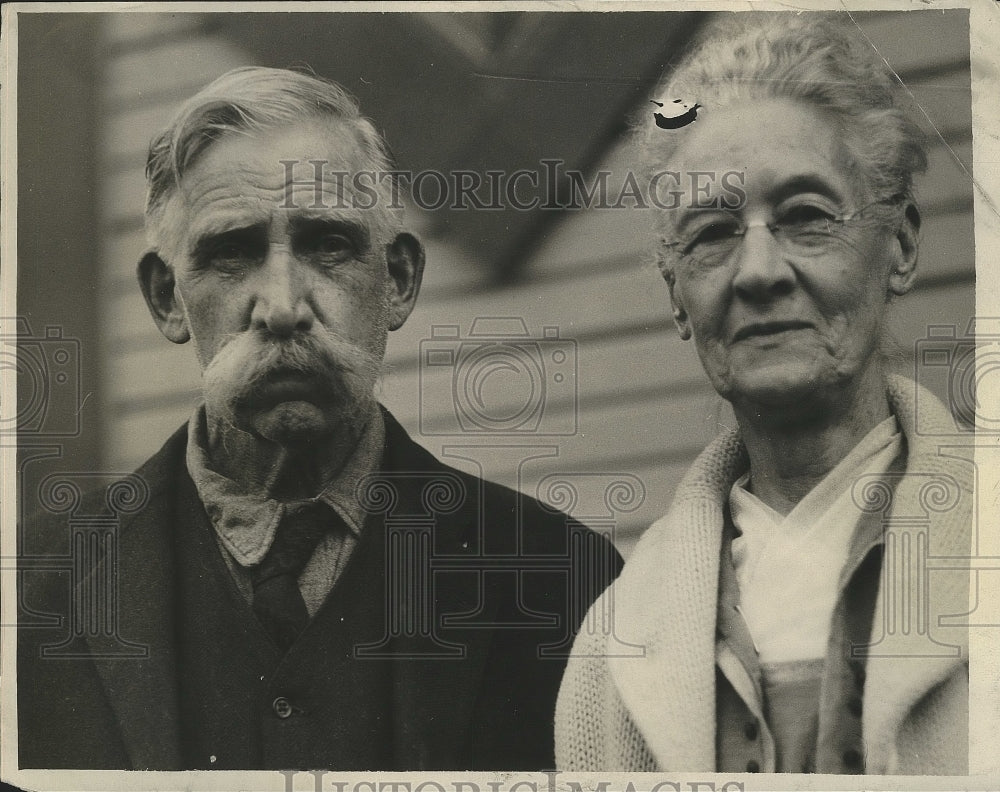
(671, 118)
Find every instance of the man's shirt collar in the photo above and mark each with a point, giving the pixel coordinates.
(246, 522)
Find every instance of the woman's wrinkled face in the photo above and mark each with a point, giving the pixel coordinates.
(777, 318)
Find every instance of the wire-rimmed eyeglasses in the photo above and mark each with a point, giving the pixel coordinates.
(803, 228)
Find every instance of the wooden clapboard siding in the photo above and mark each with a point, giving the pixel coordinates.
(139, 32)
(134, 76)
(639, 402)
(59, 402)
(153, 62)
(593, 278)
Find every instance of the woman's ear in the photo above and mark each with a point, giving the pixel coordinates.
(156, 279)
(905, 248)
(680, 314)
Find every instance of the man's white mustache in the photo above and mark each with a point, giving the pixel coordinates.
(241, 368)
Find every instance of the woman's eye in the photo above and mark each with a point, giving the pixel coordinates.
(805, 216)
(720, 231)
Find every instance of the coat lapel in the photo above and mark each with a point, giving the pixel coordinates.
(666, 600)
(142, 687)
(930, 516)
(666, 597)
(437, 677)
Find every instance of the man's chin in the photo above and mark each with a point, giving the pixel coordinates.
(292, 423)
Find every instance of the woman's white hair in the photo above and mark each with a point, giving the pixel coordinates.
(250, 99)
(813, 58)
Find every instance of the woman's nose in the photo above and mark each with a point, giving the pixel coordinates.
(762, 270)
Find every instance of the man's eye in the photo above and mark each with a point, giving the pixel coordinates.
(229, 252)
(230, 256)
(330, 246)
(334, 244)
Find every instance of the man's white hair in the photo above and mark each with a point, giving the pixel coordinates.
(247, 100)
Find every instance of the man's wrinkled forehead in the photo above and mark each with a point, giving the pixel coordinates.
(301, 157)
(303, 170)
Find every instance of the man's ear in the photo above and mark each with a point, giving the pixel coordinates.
(156, 279)
(405, 260)
(905, 248)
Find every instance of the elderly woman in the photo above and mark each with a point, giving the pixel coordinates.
(782, 604)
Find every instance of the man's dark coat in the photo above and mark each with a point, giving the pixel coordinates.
(504, 602)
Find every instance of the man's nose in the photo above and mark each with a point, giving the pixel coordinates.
(282, 306)
(762, 269)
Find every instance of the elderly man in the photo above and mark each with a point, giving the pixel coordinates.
(282, 617)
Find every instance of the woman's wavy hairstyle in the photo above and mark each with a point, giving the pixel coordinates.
(247, 100)
(808, 57)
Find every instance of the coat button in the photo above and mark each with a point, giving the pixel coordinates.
(750, 731)
(282, 707)
(753, 766)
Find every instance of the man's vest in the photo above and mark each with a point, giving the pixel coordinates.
(242, 704)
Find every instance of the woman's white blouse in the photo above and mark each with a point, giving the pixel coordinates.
(788, 567)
